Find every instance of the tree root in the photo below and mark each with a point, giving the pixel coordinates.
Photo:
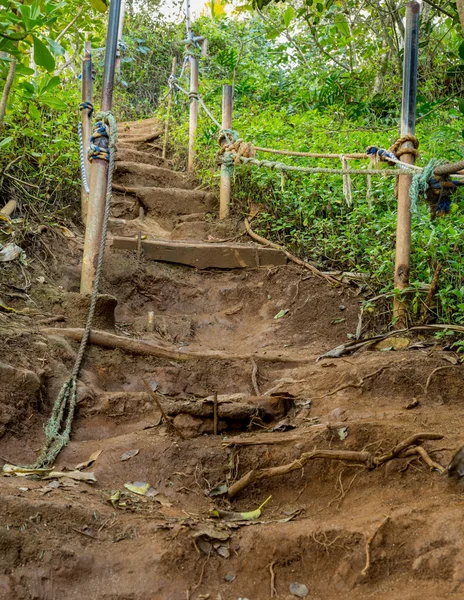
(369, 544)
(290, 256)
(437, 370)
(109, 340)
(350, 456)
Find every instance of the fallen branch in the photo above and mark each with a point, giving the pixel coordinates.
(350, 456)
(290, 256)
(369, 544)
(110, 340)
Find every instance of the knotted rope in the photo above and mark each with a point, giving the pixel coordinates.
(58, 427)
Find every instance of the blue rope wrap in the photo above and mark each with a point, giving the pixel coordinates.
(100, 131)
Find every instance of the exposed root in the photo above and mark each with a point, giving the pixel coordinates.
(273, 588)
(437, 370)
(369, 544)
(109, 340)
(290, 256)
(254, 379)
(350, 456)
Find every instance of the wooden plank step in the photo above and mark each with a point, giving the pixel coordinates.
(203, 255)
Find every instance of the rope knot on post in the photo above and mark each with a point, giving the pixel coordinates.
(86, 105)
(398, 151)
(437, 191)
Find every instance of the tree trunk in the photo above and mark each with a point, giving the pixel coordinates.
(460, 9)
(6, 91)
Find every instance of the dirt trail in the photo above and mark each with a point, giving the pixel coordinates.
(71, 539)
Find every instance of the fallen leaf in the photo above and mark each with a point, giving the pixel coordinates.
(213, 532)
(129, 454)
(229, 515)
(282, 313)
(219, 490)
(10, 252)
(76, 475)
(161, 498)
(92, 458)
(342, 433)
(223, 551)
(141, 488)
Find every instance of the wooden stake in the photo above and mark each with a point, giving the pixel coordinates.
(227, 105)
(408, 126)
(168, 115)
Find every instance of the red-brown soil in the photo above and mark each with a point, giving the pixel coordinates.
(68, 540)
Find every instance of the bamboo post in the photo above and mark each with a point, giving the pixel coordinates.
(86, 119)
(99, 167)
(122, 13)
(408, 126)
(168, 115)
(224, 198)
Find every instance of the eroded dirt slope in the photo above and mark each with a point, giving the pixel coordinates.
(62, 538)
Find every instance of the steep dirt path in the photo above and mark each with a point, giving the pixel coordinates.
(70, 539)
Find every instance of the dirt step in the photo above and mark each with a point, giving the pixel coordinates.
(132, 173)
(154, 148)
(129, 154)
(142, 124)
(131, 227)
(204, 255)
(168, 203)
(124, 207)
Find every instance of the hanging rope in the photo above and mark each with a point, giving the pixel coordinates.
(89, 107)
(58, 427)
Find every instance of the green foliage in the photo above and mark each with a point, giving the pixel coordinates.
(301, 101)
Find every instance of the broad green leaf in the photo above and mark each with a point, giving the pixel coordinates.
(461, 106)
(100, 5)
(34, 112)
(461, 51)
(53, 102)
(51, 83)
(5, 141)
(57, 49)
(35, 10)
(42, 56)
(23, 70)
(288, 15)
(342, 25)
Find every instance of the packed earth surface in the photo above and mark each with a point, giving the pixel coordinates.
(234, 356)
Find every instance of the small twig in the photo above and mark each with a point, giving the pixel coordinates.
(369, 544)
(273, 588)
(170, 425)
(84, 533)
(429, 379)
(215, 413)
(254, 379)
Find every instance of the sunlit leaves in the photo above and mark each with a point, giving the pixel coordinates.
(42, 55)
